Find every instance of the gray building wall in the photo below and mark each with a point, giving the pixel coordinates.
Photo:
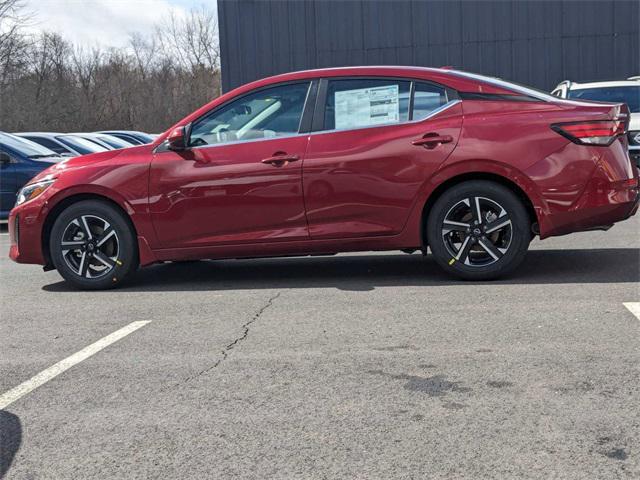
(539, 43)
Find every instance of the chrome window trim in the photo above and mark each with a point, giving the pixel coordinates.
(435, 112)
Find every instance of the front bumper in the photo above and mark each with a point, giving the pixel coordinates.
(25, 232)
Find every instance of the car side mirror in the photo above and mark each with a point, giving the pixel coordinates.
(4, 158)
(177, 139)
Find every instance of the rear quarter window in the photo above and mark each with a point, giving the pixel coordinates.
(426, 99)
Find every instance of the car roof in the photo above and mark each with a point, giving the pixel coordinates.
(456, 79)
(40, 134)
(128, 132)
(86, 134)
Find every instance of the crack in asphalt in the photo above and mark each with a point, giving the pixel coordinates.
(245, 333)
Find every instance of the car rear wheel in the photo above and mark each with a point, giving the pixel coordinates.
(93, 246)
(478, 230)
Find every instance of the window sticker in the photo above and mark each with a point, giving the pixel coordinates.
(367, 106)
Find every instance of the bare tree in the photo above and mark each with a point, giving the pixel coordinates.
(13, 42)
(192, 41)
(49, 84)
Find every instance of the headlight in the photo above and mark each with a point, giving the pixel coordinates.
(33, 190)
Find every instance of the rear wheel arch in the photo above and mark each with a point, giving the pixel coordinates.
(65, 203)
(464, 177)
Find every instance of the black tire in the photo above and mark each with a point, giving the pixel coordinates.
(478, 252)
(87, 263)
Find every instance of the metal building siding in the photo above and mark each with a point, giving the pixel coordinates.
(535, 42)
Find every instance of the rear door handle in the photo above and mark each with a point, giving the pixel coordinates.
(432, 140)
(279, 159)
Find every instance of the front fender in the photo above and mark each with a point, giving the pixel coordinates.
(137, 211)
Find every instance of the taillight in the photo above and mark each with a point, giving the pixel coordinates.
(595, 132)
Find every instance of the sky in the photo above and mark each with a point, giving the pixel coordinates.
(104, 23)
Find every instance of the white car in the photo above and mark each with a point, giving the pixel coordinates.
(627, 91)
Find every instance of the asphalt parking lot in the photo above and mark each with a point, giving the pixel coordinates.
(354, 366)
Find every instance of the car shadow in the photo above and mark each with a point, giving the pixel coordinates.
(10, 440)
(366, 272)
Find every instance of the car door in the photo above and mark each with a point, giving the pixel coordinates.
(240, 179)
(375, 142)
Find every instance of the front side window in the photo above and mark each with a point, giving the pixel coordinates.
(359, 103)
(426, 99)
(267, 113)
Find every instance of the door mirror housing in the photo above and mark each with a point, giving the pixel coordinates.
(177, 139)
(4, 158)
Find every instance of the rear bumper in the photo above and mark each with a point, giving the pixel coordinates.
(599, 207)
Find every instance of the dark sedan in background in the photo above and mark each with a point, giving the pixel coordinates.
(20, 160)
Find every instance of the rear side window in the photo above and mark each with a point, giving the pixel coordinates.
(426, 99)
(359, 103)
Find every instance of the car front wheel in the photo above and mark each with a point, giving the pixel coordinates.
(478, 230)
(93, 246)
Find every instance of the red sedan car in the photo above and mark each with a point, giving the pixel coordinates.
(338, 160)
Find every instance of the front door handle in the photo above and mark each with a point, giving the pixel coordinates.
(432, 140)
(280, 159)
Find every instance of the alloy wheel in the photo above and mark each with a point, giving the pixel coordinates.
(477, 232)
(90, 246)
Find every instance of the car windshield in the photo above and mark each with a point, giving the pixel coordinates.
(81, 145)
(143, 136)
(629, 95)
(115, 142)
(26, 147)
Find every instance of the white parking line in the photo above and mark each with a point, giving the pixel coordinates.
(43, 377)
(633, 307)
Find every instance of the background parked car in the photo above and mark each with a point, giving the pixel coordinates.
(20, 160)
(625, 91)
(131, 136)
(64, 144)
(104, 140)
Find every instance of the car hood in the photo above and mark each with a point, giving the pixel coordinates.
(74, 163)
